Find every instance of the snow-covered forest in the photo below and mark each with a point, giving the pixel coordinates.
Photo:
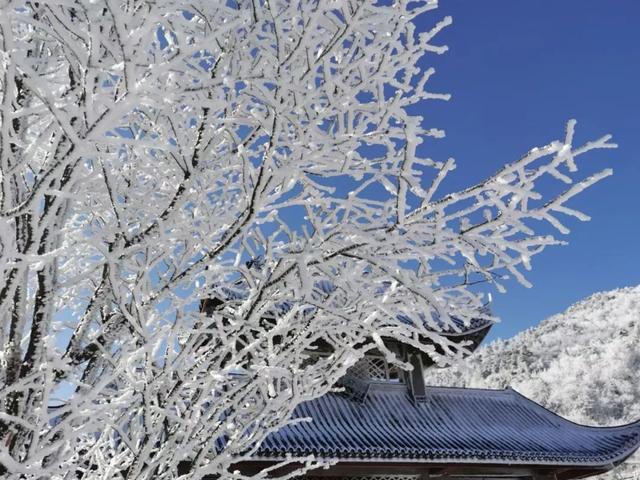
(583, 364)
(194, 195)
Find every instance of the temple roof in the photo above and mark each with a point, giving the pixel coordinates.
(463, 426)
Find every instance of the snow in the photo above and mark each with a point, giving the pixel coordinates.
(151, 150)
(583, 364)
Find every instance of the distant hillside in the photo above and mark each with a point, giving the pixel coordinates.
(583, 364)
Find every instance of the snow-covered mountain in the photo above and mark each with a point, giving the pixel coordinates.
(583, 364)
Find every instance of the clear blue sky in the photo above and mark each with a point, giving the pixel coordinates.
(517, 70)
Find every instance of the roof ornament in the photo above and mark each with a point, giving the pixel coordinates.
(415, 378)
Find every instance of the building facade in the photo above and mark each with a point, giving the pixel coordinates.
(388, 425)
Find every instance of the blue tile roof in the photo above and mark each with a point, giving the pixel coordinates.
(454, 425)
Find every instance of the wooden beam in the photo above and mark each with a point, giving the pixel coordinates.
(433, 471)
(575, 473)
(545, 475)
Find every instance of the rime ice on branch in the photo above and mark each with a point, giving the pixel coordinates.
(157, 153)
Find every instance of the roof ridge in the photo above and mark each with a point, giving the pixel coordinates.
(446, 388)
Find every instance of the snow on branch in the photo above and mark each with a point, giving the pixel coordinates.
(197, 196)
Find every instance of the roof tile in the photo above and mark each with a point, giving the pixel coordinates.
(468, 425)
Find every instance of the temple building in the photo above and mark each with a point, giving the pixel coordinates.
(388, 425)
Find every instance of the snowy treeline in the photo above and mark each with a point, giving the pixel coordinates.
(261, 155)
(583, 364)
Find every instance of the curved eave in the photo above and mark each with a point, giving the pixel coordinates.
(601, 467)
(464, 459)
(451, 460)
(631, 429)
(457, 426)
(472, 337)
(479, 326)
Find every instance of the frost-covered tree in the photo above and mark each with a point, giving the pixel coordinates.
(259, 155)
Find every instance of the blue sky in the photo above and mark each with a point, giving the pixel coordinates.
(517, 71)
